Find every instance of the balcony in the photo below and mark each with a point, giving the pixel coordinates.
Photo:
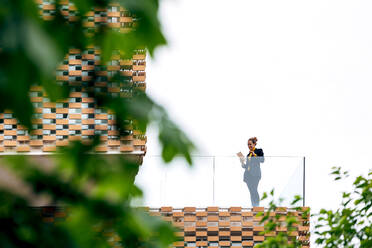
(218, 181)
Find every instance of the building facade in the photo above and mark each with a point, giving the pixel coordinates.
(216, 227)
(56, 124)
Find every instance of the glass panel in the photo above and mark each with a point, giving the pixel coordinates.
(219, 181)
(232, 182)
(177, 184)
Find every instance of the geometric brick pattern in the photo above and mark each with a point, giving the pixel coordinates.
(226, 227)
(77, 117)
(114, 16)
(210, 227)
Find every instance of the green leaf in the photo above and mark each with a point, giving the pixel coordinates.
(40, 48)
(83, 6)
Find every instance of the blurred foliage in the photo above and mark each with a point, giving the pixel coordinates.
(95, 190)
(274, 222)
(96, 197)
(351, 224)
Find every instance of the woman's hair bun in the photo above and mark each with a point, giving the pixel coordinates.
(253, 139)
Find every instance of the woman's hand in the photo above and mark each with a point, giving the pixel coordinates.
(242, 160)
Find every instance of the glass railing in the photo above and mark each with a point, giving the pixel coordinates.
(220, 181)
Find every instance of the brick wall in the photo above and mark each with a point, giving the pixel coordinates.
(226, 227)
(77, 117)
(212, 226)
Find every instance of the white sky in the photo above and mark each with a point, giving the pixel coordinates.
(296, 74)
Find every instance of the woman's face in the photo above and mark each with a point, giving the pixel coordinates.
(251, 146)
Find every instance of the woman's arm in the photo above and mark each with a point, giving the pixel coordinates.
(242, 159)
(243, 162)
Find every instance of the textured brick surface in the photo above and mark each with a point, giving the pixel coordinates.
(221, 227)
(77, 117)
(212, 227)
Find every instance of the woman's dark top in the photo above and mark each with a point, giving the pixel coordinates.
(252, 165)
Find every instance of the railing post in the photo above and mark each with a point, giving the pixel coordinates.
(214, 169)
(303, 182)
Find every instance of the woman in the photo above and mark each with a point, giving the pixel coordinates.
(252, 174)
